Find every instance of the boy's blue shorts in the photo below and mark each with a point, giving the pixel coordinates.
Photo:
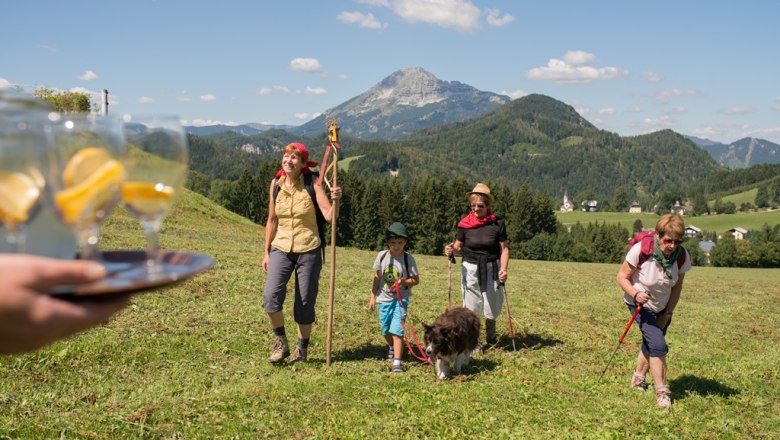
(391, 315)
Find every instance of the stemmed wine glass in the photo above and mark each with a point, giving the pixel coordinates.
(23, 137)
(157, 162)
(85, 174)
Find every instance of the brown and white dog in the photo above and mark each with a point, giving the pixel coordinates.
(451, 339)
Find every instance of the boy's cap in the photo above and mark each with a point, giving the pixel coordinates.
(396, 230)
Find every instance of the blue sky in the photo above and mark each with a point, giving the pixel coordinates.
(709, 69)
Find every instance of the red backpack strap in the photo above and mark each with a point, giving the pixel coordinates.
(681, 258)
(647, 243)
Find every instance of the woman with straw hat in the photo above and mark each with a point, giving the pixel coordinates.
(482, 241)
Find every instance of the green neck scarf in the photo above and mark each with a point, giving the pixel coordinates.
(666, 263)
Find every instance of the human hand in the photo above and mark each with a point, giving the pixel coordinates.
(266, 258)
(30, 318)
(642, 297)
(448, 250)
(335, 193)
(372, 302)
(502, 275)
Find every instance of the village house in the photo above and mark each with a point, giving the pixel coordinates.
(590, 206)
(679, 209)
(739, 233)
(692, 232)
(635, 208)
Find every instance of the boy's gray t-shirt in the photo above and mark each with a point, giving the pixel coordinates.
(383, 263)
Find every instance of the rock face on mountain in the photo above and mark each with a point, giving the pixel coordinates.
(744, 152)
(403, 103)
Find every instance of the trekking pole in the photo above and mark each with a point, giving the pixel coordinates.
(449, 281)
(509, 317)
(622, 337)
(333, 141)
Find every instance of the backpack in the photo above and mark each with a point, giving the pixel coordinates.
(647, 238)
(406, 260)
(308, 183)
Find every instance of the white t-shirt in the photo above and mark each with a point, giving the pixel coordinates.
(651, 278)
(385, 263)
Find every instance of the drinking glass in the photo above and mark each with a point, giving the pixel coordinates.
(157, 162)
(23, 137)
(85, 174)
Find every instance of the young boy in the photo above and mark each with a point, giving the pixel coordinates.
(391, 265)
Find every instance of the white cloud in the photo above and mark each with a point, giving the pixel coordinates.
(636, 109)
(679, 109)
(738, 111)
(342, 77)
(460, 15)
(652, 76)
(367, 21)
(374, 2)
(145, 100)
(766, 133)
(88, 75)
(305, 65)
(207, 97)
(575, 67)
(515, 94)
(4, 83)
(303, 116)
(606, 111)
(315, 90)
(656, 123)
(284, 89)
(207, 122)
(706, 132)
(184, 99)
(264, 91)
(664, 95)
(495, 19)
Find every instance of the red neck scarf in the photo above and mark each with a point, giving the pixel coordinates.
(471, 221)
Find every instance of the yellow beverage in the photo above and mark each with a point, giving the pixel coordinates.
(147, 199)
(18, 194)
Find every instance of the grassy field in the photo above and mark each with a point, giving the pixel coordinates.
(719, 223)
(189, 361)
(738, 199)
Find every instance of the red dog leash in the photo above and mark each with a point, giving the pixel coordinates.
(423, 357)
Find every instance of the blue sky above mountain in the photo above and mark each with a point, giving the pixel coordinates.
(630, 68)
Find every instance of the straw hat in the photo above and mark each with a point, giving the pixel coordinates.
(482, 190)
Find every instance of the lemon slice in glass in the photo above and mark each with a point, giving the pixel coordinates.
(18, 194)
(147, 198)
(83, 164)
(82, 200)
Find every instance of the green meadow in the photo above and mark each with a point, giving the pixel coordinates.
(189, 361)
(719, 223)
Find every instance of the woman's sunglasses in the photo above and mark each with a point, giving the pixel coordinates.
(477, 205)
(671, 240)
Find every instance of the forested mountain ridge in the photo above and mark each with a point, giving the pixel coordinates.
(547, 144)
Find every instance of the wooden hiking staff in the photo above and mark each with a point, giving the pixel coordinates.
(509, 317)
(333, 144)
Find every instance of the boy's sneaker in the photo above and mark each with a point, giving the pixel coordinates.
(390, 354)
(280, 350)
(398, 368)
(638, 382)
(298, 355)
(663, 398)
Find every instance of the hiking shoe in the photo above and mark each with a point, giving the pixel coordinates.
(298, 355)
(397, 368)
(280, 350)
(390, 354)
(663, 398)
(490, 332)
(638, 382)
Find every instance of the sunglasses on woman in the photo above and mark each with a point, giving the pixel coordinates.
(668, 241)
(477, 205)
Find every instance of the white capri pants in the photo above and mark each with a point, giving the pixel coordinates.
(487, 304)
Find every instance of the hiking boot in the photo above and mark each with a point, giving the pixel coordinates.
(663, 398)
(397, 368)
(298, 355)
(280, 350)
(638, 382)
(490, 332)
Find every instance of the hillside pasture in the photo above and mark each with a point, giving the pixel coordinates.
(189, 361)
(719, 223)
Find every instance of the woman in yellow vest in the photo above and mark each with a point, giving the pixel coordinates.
(293, 244)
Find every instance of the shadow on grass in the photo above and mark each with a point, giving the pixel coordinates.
(363, 352)
(527, 341)
(686, 385)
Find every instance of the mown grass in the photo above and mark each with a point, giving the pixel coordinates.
(719, 223)
(189, 361)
